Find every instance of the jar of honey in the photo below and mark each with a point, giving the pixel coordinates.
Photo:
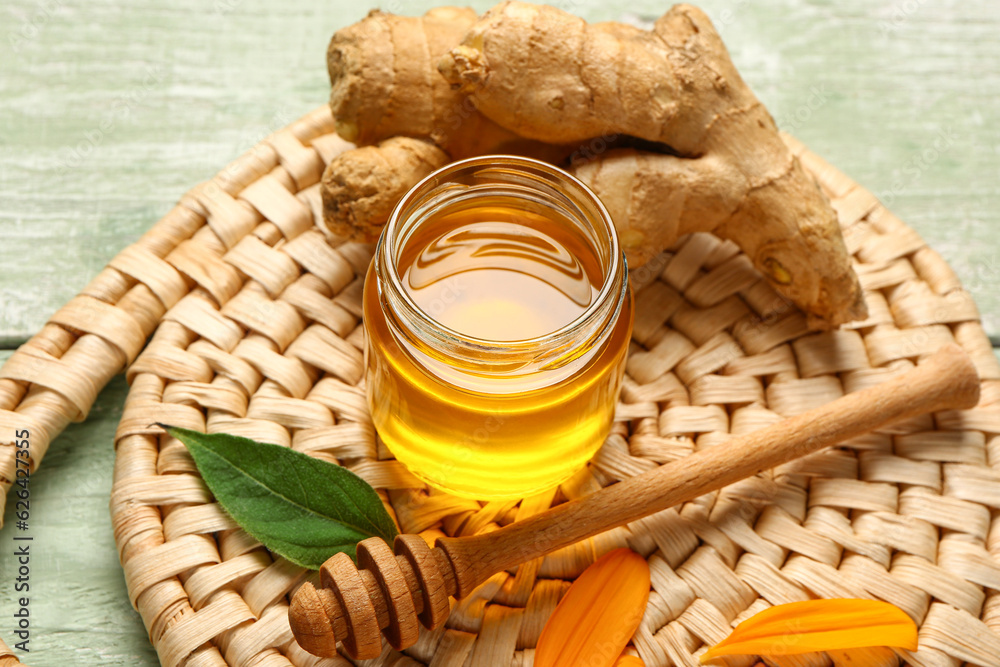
(497, 314)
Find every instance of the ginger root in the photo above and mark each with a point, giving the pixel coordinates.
(388, 97)
(712, 158)
(383, 73)
(361, 186)
(383, 79)
(675, 86)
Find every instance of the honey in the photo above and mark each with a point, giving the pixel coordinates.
(497, 318)
(494, 273)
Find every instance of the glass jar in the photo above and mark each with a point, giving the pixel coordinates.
(497, 314)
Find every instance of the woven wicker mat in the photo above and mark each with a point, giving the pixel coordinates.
(258, 332)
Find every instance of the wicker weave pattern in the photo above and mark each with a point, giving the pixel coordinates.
(258, 333)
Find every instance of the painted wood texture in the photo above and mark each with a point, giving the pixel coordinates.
(110, 111)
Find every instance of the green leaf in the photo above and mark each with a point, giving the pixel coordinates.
(299, 507)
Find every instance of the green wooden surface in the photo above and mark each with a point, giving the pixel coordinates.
(109, 111)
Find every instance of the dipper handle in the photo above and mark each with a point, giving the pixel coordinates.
(392, 591)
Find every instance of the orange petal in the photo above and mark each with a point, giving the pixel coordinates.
(871, 656)
(629, 661)
(598, 615)
(819, 625)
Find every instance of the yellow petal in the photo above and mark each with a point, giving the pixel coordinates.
(629, 661)
(819, 625)
(598, 615)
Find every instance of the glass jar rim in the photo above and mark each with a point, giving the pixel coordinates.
(615, 273)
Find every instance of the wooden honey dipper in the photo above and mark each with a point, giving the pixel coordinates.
(392, 591)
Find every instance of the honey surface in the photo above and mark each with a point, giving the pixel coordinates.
(500, 275)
